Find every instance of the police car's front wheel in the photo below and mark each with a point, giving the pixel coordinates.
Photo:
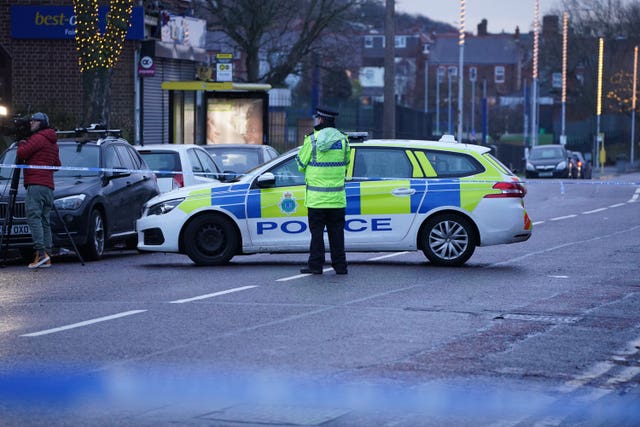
(210, 240)
(448, 240)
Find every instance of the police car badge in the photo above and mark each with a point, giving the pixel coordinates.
(288, 204)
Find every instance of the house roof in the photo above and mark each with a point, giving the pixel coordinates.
(477, 50)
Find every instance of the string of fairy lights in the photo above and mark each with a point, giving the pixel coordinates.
(97, 50)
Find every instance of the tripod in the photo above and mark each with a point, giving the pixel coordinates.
(8, 222)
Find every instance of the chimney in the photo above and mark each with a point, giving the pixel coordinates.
(482, 28)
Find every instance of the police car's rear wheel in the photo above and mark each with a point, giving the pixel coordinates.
(210, 240)
(448, 240)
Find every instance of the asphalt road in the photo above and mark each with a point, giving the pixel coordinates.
(545, 332)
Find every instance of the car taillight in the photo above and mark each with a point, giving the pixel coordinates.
(579, 164)
(508, 189)
(179, 179)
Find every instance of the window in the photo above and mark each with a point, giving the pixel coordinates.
(208, 165)
(287, 174)
(451, 165)
(401, 41)
(368, 42)
(381, 163)
(499, 74)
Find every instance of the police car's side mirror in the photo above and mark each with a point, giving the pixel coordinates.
(267, 179)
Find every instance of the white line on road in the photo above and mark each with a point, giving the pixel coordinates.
(215, 294)
(594, 211)
(85, 323)
(387, 256)
(635, 196)
(617, 205)
(298, 276)
(558, 218)
(538, 222)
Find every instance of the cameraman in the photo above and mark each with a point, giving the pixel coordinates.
(40, 149)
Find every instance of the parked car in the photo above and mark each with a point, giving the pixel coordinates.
(547, 161)
(180, 165)
(99, 194)
(579, 168)
(240, 158)
(439, 197)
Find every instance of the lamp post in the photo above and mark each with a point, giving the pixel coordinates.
(599, 141)
(451, 74)
(565, 28)
(461, 70)
(633, 103)
(439, 77)
(534, 85)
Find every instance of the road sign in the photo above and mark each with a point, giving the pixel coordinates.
(473, 74)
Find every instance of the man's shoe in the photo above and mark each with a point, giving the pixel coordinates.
(310, 271)
(40, 260)
(342, 271)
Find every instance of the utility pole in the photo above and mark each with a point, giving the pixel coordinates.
(389, 108)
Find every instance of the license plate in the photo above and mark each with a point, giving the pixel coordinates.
(543, 174)
(17, 229)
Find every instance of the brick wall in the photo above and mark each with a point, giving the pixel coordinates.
(46, 76)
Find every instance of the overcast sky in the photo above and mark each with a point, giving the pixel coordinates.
(500, 14)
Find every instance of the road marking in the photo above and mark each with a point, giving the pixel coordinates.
(538, 222)
(594, 211)
(85, 323)
(558, 218)
(617, 205)
(625, 376)
(558, 277)
(387, 256)
(592, 373)
(215, 294)
(634, 198)
(298, 276)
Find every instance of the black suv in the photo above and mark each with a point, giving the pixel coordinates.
(99, 196)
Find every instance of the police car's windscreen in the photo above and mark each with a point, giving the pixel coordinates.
(83, 160)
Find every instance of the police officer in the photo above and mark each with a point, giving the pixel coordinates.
(324, 157)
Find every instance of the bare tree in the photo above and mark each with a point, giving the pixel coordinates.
(282, 32)
(98, 54)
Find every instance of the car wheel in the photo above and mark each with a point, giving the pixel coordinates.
(210, 240)
(93, 250)
(448, 240)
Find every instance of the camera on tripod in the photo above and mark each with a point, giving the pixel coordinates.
(20, 127)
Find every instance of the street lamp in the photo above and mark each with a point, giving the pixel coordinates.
(439, 77)
(565, 27)
(534, 86)
(461, 73)
(633, 102)
(599, 141)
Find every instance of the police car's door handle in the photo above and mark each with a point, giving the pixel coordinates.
(403, 191)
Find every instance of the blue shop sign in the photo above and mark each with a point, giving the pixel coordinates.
(59, 22)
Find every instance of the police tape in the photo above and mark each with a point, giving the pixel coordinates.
(111, 170)
(354, 178)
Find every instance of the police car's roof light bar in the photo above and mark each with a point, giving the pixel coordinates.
(447, 138)
(357, 136)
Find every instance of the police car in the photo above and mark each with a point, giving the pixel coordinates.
(441, 197)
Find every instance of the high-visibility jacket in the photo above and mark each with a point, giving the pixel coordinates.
(324, 157)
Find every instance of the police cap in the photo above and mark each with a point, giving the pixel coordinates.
(326, 112)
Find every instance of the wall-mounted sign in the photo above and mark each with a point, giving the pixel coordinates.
(224, 67)
(146, 67)
(59, 22)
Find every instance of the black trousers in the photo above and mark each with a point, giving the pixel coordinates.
(333, 220)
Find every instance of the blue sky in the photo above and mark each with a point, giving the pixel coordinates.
(500, 14)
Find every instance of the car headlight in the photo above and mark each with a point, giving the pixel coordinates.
(70, 202)
(530, 166)
(562, 165)
(164, 207)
